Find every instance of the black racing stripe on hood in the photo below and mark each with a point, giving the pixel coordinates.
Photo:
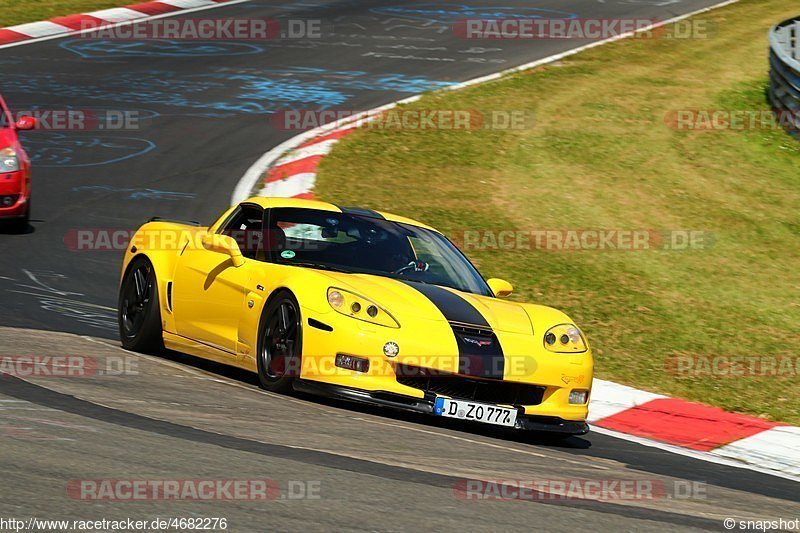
(479, 351)
(453, 307)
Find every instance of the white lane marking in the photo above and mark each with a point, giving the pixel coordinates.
(116, 14)
(40, 285)
(253, 174)
(143, 19)
(39, 29)
(703, 456)
(776, 449)
(251, 177)
(609, 398)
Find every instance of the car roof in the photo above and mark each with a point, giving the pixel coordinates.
(268, 202)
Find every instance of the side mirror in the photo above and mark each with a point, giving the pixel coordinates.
(222, 244)
(500, 287)
(26, 123)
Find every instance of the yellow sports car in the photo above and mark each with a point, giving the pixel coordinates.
(354, 304)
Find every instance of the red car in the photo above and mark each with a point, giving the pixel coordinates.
(15, 168)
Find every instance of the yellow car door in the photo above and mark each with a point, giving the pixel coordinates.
(210, 285)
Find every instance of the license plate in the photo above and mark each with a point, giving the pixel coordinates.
(477, 412)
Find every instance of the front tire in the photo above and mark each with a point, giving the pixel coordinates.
(138, 310)
(280, 345)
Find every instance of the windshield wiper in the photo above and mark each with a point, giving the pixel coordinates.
(320, 266)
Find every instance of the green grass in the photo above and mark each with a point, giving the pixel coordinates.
(601, 156)
(14, 12)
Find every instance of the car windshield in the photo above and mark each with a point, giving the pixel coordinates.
(366, 244)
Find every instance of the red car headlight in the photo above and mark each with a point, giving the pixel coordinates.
(9, 162)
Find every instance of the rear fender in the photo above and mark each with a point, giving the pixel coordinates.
(162, 243)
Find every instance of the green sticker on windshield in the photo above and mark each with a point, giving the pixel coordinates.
(287, 254)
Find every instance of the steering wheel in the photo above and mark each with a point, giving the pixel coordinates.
(416, 266)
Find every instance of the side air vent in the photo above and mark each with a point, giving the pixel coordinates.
(319, 325)
(169, 296)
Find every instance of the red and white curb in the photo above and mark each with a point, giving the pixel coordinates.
(92, 21)
(695, 429)
(679, 426)
(295, 173)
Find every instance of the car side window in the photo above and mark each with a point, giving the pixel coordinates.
(245, 227)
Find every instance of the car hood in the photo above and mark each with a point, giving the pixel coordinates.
(433, 302)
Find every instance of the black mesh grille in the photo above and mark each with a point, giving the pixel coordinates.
(464, 388)
(468, 329)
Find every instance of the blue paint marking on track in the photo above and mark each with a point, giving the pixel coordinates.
(136, 194)
(104, 49)
(61, 151)
(449, 13)
(262, 91)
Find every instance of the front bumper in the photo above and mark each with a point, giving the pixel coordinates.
(538, 383)
(424, 405)
(14, 194)
(17, 210)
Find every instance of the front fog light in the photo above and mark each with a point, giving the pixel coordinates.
(351, 362)
(578, 397)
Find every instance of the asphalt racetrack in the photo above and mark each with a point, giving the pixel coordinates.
(205, 114)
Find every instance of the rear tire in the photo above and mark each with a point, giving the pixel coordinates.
(138, 310)
(280, 345)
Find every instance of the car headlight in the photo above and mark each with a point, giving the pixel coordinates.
(9, 162)
(356, 306)
(564, 338)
